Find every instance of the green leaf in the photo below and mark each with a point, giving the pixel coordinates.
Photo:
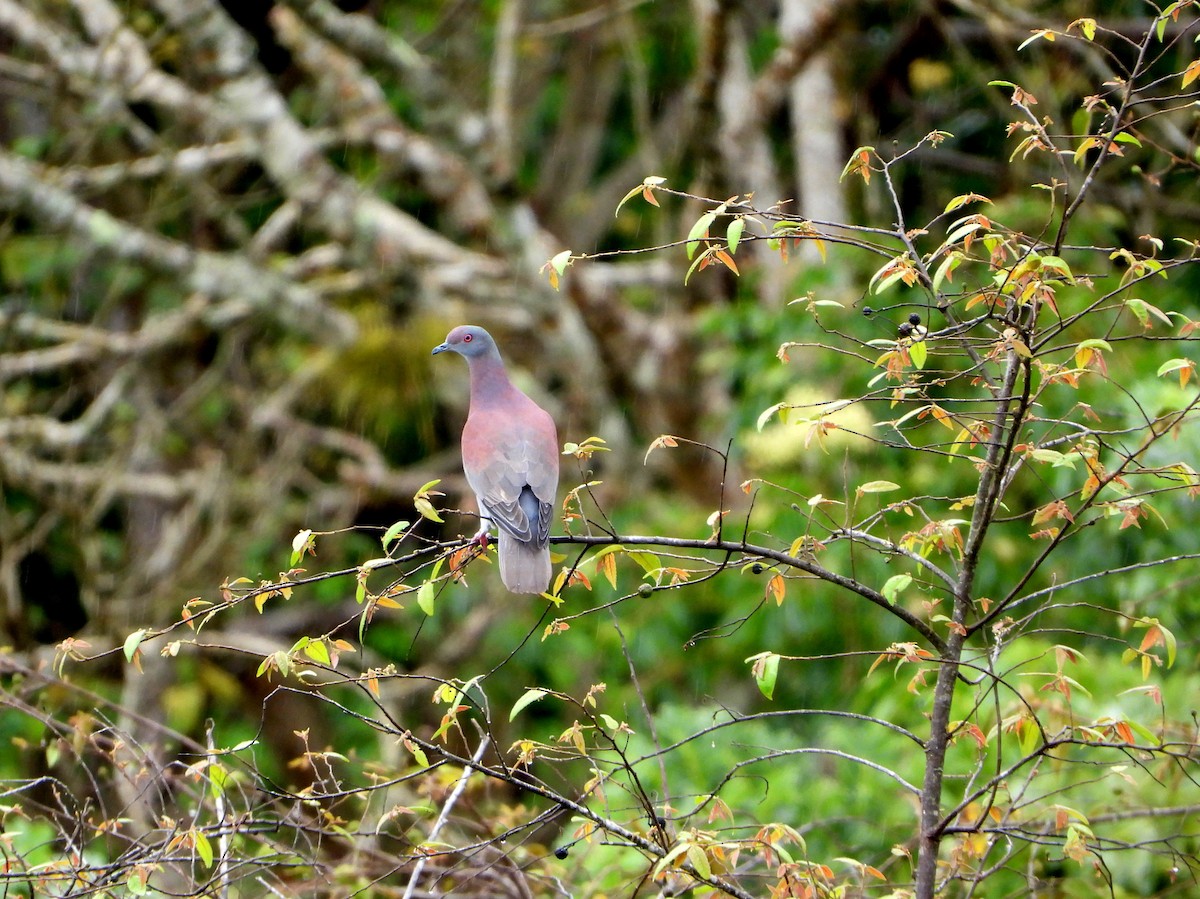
(765, 669)
(318, 652)
(1144, 732)
(203, 847)
(1169, 641)
(1028, 735)
(650, 563)
(422, 503)
(425, 507)
(1160, 26)
(530, 696)
(957, 234)
(700, 229)
(625, 199)
(946, 269)
(877, 487)
(218, 778)
(559, 263)
(894, 586)
(707, 254)
(1087, 27)
(858, 164)
(425, 597)
(393, 532)
(769, 413)
(887, 282)
(733, 233)
(918, 353)
(132, 642)
(417, 753)
(608, 551)
(963, 199)
(1171, 365)
(1142, 311)
(1057, 264)
(698, 859)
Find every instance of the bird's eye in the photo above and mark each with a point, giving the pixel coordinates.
(467, 339)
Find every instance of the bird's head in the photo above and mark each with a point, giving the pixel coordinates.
(468, 341)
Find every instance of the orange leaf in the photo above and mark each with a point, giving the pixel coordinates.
(579, 576)
(777, 587)
(1152, 638)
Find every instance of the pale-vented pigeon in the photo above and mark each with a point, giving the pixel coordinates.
(510, 456)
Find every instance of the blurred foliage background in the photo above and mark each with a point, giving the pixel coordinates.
(230, 234)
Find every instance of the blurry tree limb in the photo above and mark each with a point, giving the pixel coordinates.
(502, 92)
(379, 232)
(361, 37)
(120, 61)
(367, 118)
(244, 288)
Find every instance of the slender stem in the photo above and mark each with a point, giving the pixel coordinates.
(987, 495)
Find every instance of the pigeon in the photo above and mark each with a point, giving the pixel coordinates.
(510, 457)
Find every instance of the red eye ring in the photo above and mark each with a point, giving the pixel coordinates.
(467, 339)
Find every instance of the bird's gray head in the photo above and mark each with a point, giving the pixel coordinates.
(468, 341)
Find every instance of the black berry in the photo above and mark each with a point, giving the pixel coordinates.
(560, 853)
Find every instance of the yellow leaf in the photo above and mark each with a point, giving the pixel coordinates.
(1192, 72)
(607, 566)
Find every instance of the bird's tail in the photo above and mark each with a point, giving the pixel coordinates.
(524, 567)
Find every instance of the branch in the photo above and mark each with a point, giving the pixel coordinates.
(444, 815)
(245, 287)
(762, 552)
(361, 37)
(381, 233)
